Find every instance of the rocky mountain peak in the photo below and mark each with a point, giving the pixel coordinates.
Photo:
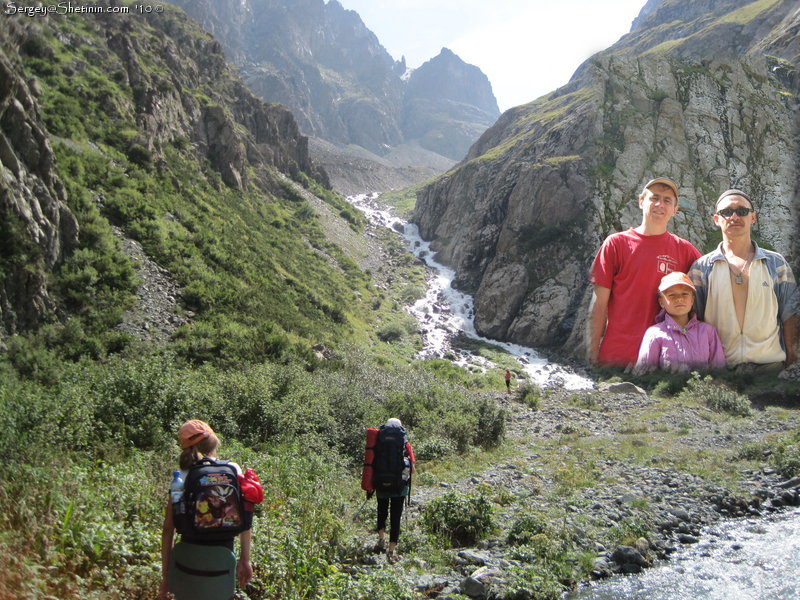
(330, 70)
(447, 77)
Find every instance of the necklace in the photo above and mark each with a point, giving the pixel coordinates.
(738, 278)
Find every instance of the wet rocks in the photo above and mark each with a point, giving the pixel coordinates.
(629, 559)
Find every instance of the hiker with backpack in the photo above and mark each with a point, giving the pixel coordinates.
(392, 465)
(211, 502)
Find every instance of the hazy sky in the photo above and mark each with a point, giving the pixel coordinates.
(526, 48)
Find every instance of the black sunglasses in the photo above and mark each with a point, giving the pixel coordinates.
(741, 211)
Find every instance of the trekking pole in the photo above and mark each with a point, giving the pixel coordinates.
(360, 508)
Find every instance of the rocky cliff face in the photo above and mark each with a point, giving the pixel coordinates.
(36, 227)
(322, 62)
(706, 92)
(199, 98)
(193, 100)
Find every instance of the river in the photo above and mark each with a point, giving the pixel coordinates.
(444, 312)
(737, 560)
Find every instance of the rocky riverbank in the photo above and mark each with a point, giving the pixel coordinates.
(628, 477)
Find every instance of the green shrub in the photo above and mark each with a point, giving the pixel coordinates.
(753, 451)
(458, 519)
(786, 458)
(627, 531)
(491, 427)
(662, 390)
(530, 395)
(375, 585)
(525, 527)
(411, 292)
(433, 448)
(716, 396)
(584, 399)
(391, 332)
(531, 583)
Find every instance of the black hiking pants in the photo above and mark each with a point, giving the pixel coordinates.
(394, 518)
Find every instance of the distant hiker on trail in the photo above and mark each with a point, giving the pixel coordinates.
(211, 502)
(626, 273)
(748, 293)
(678, 341)
(508, 381)
(388, 466)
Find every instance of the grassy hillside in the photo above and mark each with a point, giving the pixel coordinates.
(88, 412)
(255, 268)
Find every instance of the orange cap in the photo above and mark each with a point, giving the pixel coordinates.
(192, 432)
(675, 278)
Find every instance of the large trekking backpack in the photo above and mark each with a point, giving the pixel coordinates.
(390, 461)
(211, 508)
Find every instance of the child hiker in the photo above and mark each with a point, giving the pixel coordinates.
(211, 502)
(678, 341)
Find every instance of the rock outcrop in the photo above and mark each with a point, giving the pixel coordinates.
(704, 92)
(37, 229)
(193, 101)
(231, 127)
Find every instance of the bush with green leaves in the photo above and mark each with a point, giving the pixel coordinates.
(526, 526)
(376, 585)
(787, 461)
(584, 399)
(530, 583)
(458, 519)
(433, 448)
(785, 454)
(530, 395)
(627, 531)
(715, 395)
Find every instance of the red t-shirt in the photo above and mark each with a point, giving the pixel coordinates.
(631, 265)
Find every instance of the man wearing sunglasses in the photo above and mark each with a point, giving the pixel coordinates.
(749, 294)
(626, 273)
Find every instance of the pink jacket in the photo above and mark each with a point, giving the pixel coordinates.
(670, 347)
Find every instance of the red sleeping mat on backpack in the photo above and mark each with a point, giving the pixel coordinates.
(369, 457)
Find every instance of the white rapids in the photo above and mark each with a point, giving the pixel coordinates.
(444, 311)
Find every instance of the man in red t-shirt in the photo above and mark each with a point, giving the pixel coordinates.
(626, 273)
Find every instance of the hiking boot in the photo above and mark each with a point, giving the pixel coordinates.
(392, 557)
(379, 547)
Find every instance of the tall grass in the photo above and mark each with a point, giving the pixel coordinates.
(88, 460)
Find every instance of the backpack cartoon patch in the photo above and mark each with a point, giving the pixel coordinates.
(211, 508)
(390, 460)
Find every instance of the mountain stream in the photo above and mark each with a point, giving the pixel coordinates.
(444, 312)
(737, 560)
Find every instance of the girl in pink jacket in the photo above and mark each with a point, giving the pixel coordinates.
(678, 341)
